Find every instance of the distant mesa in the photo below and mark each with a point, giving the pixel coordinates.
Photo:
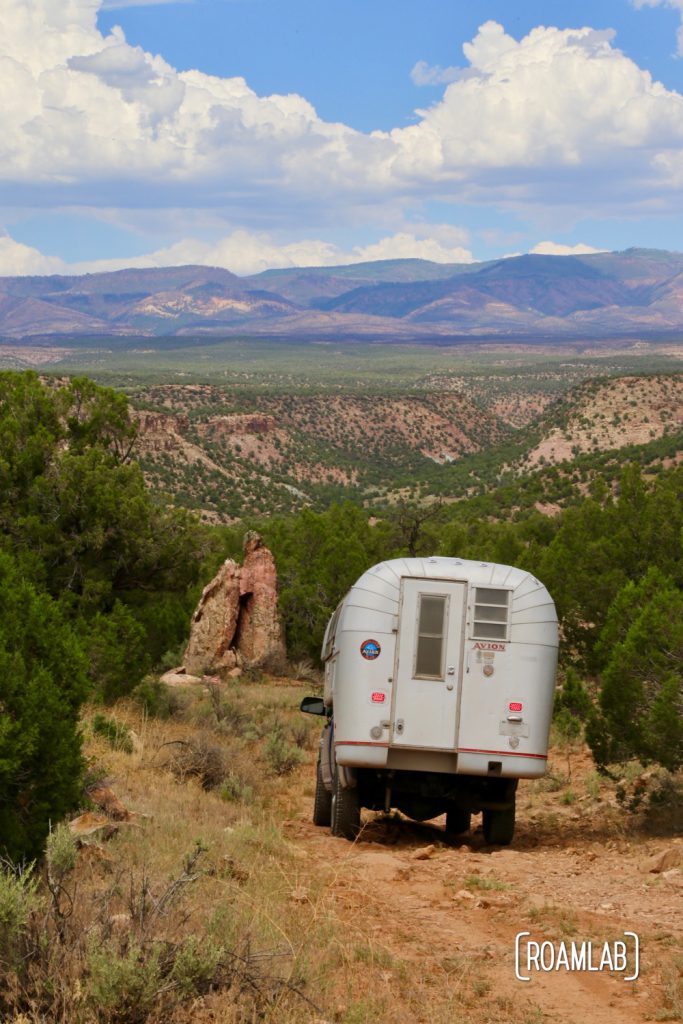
(636, 293)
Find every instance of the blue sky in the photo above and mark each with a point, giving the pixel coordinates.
(257, 133)
(352, 58)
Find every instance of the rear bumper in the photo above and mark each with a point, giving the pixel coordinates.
(505, 763)
(488, 763)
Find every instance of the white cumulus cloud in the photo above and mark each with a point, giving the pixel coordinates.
(534, 111)
(18, 260)
(557, 117)
(558, 249)
(423, 73)
(405, 245)
(245, 252)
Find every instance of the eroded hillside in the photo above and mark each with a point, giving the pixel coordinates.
(233, 450)
(605, 415)
(230, 452)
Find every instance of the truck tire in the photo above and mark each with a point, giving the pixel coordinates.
(499, 826)
(457, 821)
(345, 810)
(322, 804)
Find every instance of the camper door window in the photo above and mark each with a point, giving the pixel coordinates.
(429, 649)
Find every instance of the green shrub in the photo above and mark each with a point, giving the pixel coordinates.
(116, 733)
(124, 985)
(567, 727)
(281, 755)
(61, 852)
(236, 790)
(195, 965)
(156, 699)
(19, 900)
(573, 697)
(77, 515)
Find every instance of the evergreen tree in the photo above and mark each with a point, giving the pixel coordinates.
(75, 512)
(640, 713)
(42, 686)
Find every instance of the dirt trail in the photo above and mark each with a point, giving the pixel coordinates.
(445, 916)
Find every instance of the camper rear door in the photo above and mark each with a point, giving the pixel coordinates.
(428, 668)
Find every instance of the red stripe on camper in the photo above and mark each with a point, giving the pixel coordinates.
(503, 753)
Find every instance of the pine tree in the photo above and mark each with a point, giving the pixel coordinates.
(640, 712)
(42, 686)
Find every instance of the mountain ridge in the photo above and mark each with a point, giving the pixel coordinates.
(532, 296)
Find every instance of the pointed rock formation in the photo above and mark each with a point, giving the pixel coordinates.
(214, 623)
(236, 621)
(259, 632)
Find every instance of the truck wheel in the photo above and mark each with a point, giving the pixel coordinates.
(499, 826)
(322, 804)
(457, 821)
(345, 810)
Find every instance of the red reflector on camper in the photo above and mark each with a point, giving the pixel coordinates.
(378, 698)
(515, 706)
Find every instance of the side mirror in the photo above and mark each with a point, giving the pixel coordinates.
(313, 706)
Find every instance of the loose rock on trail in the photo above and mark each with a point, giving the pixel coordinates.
(445, 915)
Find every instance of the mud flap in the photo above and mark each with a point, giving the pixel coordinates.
(347, 775)
(326, 760)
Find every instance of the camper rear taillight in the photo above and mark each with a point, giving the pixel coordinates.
(515, 706)
(378, 698)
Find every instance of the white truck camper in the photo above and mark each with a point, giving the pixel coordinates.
(439, 683)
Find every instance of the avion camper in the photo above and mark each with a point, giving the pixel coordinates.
(439, 681)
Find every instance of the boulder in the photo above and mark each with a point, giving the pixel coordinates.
(236, 622)
(664, 860)
(88, 823)
(176, 678)
(106, 799)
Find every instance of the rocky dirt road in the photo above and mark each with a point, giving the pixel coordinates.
(432, 925)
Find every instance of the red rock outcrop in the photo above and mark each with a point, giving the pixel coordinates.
(259, 632)
(236, 621)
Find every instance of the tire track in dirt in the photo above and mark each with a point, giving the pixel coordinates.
(429, 904)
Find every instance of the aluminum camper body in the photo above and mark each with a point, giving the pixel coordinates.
(439, 683)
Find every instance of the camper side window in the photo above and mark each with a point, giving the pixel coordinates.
(491, 613)
(430, 635)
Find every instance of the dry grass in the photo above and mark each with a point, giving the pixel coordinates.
(191, 912)
(219, 902)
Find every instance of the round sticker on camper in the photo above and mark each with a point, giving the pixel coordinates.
(370, 649)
